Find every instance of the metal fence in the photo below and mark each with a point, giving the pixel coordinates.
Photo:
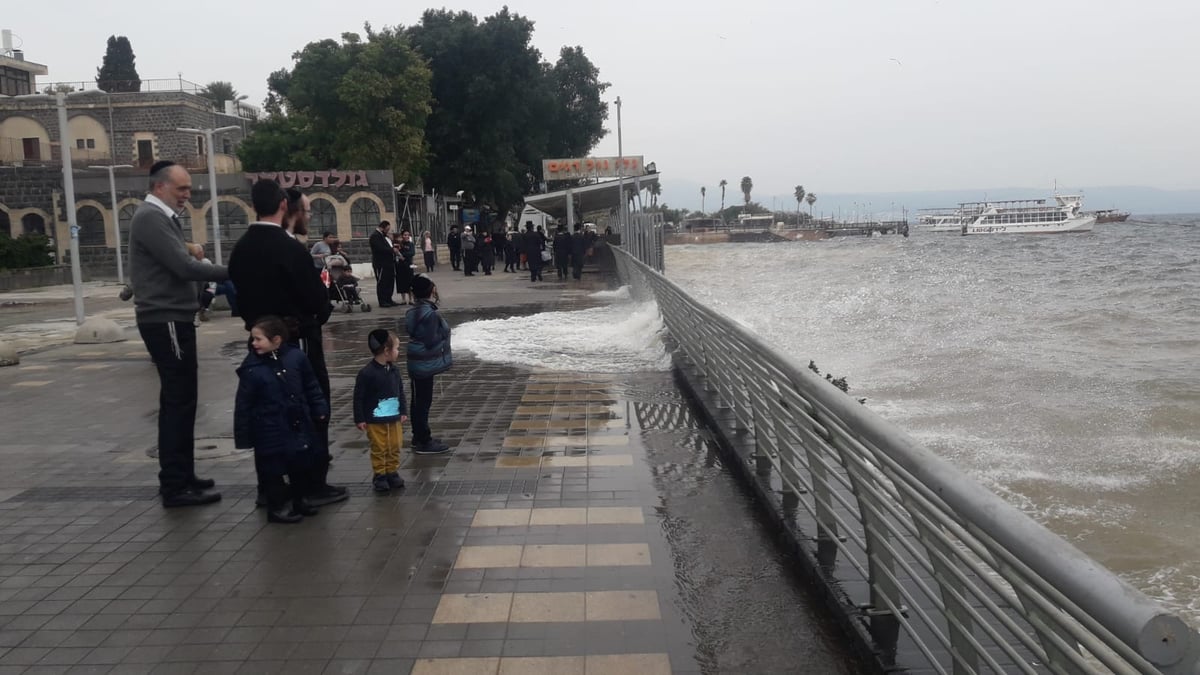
(944, 575)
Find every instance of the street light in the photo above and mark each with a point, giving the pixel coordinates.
(112, 188)
(64, 141)
(212, 183)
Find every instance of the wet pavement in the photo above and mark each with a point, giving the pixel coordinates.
(582, 524)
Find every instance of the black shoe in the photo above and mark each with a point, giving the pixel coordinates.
(433, 447)
(394, 480)
(302, 507)
(381, 484)
(389, 304)
(260, 501)
(126, 293)
(328, 494)
(190, 497)
(284, 515)
(200, 484)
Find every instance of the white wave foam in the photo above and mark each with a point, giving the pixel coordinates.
(622, 293)
(617, 338)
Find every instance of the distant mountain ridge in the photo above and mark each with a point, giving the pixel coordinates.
(1136, 199)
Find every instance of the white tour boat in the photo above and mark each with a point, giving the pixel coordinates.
(939, 220)
(1027, 216)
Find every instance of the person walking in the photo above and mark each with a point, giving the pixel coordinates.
(533, 244)
(274, 276)
(163, 275)
(510, 250)
(454, 243)
(383, 259)
(487, 254)
(579, 251)
(379, 409)
(428, 354)
(562, 251)
(468, 249)
(278, 399)
(430, 251)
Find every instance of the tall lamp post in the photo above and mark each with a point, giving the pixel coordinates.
(116, 215)
(620, 172)
(212, 183)
(64, 138)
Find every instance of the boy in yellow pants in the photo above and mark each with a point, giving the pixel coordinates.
(380, 408)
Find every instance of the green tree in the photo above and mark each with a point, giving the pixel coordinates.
(353, 104)
(747, 186)
(810, 198)
(220, 91)
(500, 107)
(799, 195)
(117, 72)
(722, 185)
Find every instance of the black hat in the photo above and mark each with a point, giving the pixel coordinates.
(422, 286)
(377, 340)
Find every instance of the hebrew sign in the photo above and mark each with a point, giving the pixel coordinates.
(310, 179)
(592, 167)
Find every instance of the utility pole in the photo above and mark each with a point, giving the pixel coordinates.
(116, 215)
(64, 141)
(620, 171)
(212, 183)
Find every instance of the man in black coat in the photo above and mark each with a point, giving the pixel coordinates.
(274, 275)
(562, 251)
(454, 243)
(579, 249)
(532, 244)
(383, 259)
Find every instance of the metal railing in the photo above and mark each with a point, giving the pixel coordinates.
(943, 574)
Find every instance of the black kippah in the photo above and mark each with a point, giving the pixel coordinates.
(377, 340)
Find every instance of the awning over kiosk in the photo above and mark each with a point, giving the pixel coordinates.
(588, 198)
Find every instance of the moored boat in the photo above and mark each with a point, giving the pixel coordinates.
(1029, 216)
(1111, 216)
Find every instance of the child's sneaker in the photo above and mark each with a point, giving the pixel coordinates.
(381, 484)
(394, 480)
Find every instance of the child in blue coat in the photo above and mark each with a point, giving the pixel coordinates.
(278, 399)
(380, 409)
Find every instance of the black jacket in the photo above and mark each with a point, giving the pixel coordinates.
(579, 246)
(273, 274)
(428, 352)
(532, 244)
(562, 244)
(278, 398)
(381, 248)
(378, 394)
(454, 241)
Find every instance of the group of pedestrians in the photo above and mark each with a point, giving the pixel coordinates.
(529, 250)
(282, 406)
(393, 257)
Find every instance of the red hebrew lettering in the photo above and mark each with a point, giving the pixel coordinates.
(304, 179)
(361, 177)
(252, 177)
(323, 177)
(287, 179)
(339, 178)
(552, 166)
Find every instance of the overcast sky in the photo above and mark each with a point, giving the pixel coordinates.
(860, 95)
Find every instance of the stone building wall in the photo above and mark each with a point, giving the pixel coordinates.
(125, 119)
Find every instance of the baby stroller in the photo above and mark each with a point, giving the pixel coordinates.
(343, 285)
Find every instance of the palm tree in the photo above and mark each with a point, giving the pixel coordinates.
(747, 186)
(799, 194)
(723, 183)
(218, 92)
(703, 190)
(810, 199)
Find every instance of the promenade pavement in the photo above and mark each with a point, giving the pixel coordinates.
(581, 524)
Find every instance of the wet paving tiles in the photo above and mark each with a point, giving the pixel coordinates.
(567, 532)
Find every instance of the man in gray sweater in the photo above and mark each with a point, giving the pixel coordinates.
(164, 275)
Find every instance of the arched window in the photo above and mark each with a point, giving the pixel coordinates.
(364, 215)
(91, 226)
(32, 223)
(322, 217)
(126, 221)
(5, 224)
(233, 221)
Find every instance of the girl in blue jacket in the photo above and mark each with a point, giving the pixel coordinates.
(278, 399)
